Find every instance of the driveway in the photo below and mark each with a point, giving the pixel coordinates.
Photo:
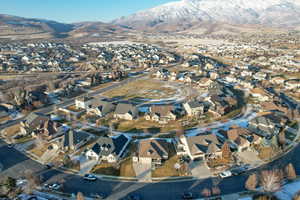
(86, 165)
(200, 170)
(143, 171)
(249, 157)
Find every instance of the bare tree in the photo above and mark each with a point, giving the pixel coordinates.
(290, 172)
(270, 180)
(33, 181)
(281, 139)
(226, 152)
(79, 196)
(251, 182)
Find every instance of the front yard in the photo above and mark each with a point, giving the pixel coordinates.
(125, 169)
(168, 169)
(39, 151)
(106, 169)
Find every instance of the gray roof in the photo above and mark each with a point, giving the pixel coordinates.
(34, 119)
(262, 120)
(107, 145)
(208, 143)
(123, 108)
(105, 107)
(194, 104)
(72, 138)
(33, 116)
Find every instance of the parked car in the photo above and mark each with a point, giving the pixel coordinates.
(240, 170)
(225, 174)
(53, 186)
(187, 195)
(89, 177)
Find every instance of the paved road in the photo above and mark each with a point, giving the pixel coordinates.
(14, 164)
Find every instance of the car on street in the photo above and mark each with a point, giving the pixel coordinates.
(10, 145)
(89, 177)
(225, 174)
(187, 195)
(53, 186)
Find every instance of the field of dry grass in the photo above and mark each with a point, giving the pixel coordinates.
(146, 89)
(126, 168)
(168, 169)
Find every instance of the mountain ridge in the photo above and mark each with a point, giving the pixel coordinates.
(187, 13)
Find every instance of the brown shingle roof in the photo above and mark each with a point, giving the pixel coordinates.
(152, 148)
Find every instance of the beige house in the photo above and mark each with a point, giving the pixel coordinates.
(154, 151)
(259, 94)
(84, 102)
(161, 114)
(193, 108)
(200, 147)
(126, 111)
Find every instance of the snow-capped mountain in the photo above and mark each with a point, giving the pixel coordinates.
(186, 13)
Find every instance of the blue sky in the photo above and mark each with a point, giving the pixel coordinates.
(76, 10)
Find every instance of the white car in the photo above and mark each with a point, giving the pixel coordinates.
(53, 186)
(89, 177)
(225, 174)
(21, 182)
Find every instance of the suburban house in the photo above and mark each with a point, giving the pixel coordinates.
(49, 130)
(162, 74)
(219, 106)
(161, 113)
(200, 147)
(193, 108)
(259, 94)
(84, 102)
(32, 122)
(102, 108)
(277, 80)
(73, 140)
(108, 149)
(239, 137)
(205, 82)
(154, 151)
(292, 84)
(270, 120)
(126, 111)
